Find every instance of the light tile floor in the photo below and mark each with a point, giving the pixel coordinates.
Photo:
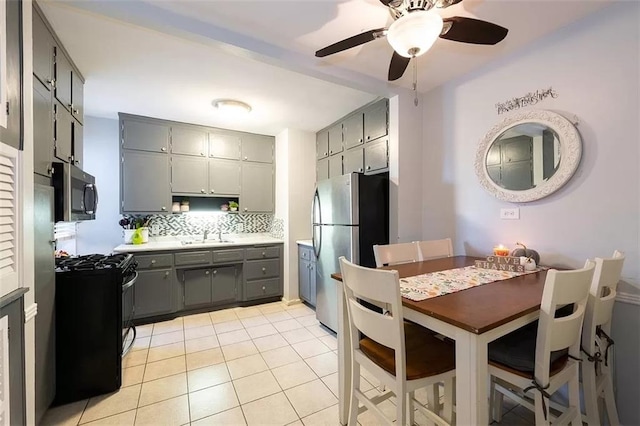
(270, 364)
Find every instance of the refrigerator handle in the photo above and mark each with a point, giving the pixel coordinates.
(317, 240)
(316, 203)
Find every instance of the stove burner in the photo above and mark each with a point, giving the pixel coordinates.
(92, 261)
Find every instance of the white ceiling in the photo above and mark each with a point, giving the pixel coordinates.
(169, 59)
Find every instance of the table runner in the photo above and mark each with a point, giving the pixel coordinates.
(433, 284)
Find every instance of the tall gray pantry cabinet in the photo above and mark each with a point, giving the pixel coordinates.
(162, 159)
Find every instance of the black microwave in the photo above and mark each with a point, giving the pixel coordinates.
(76, 195)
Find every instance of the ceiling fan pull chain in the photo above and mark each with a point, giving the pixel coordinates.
(415, 81)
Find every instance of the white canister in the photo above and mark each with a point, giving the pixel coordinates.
(175, 207)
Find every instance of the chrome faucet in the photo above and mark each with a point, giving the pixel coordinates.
(204, 237)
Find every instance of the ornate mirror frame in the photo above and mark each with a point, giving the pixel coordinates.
(570, 154)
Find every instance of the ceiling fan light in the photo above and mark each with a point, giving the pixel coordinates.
(414, 34)
(232, 106)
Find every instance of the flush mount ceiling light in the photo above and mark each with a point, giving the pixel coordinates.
(413, 34)
(232, 106)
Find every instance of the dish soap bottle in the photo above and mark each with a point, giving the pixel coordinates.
(136, 238)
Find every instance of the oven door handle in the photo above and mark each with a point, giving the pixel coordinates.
(131, 282)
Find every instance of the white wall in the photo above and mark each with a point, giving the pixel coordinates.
(295, 182)
(593, 65)
(101, 160)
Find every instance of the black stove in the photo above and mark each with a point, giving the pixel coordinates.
(94, 323)
(91, 262)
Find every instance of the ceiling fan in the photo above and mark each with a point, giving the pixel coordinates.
(416, 27)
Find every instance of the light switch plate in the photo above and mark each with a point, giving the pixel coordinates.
(513, 213)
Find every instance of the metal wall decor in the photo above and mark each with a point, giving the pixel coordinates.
(529, 99)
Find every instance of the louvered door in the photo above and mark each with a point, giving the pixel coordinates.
(8, 217)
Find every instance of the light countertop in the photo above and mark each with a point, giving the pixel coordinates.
(305, 243)
(176, 243)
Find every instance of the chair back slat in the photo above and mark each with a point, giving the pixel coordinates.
(381, 328)
(561, 288)
(602, 296)
(433, 249)
(393, 254)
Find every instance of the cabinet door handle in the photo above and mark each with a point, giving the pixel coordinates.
(360, 169)
(52, 82)
(163, 208)
(264, 254)
(264, 270)
(202, 153)
(368, 167)
(246, 209)
(203, 191)
(49, 170)
(213, 191)
(360, 140)
(325, 153)
(166, 274)
(153, 261)
(163, 149)
(330, 152)
(206, 272)
(368, 137)
(215, 271)
(246, 158)
(264, 288)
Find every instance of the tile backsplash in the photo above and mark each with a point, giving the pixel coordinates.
(196, 224)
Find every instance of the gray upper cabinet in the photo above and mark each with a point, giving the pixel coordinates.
(376, 156)
(77, 97)
(335, 139)
(63, 133)
(353, 129)
(354, 161)
(144, 182)
(256, 195)
(188, 141)
(257, 148)
(335, 166)
(322, 144)
(224, 146)
(42, 129)
(43, 45)
(11, 133)
(63, 78)
(145, 136)
(189, 175)
(224, 177)
(375, 121)
(322, 170)
(77, 143)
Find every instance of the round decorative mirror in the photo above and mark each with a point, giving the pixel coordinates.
(528, 155)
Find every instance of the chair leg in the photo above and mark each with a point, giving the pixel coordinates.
(574, 398)
(589, 387)
(496, 399)
(401, 407)
(411, 409)
(433, 400)
(353, 401)
(542, 418)
(610, 400)
(447, 408)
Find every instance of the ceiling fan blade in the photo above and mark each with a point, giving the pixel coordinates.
(397, 66)
(443, 4)
(350, 42)
(475, 31)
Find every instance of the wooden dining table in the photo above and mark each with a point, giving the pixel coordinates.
(472, 318)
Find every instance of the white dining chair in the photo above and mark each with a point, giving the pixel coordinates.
(402, 355)
(596, 371)
(433, 249)
(393, 254)
(541, 357)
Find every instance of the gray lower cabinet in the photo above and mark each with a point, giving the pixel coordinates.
(257, 148)
(224, 177)
(322, 169)
(188, 141)
(43, 138)
(153, 292)
(376, 156)
(189, 175)
(145, 136)
(263, 276)
(211, 286)
(144, 182)
(335, 165)
(257, 187)
(224, 146)
(353, 161)
(307, 274)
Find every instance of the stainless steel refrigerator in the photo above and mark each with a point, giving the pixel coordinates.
(350, 215)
